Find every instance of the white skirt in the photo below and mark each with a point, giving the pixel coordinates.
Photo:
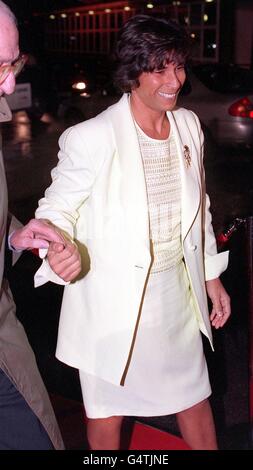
(168, 371)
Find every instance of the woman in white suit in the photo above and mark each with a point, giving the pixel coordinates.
(129, 189)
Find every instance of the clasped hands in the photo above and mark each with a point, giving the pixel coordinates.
(64, 260)
(63, 255)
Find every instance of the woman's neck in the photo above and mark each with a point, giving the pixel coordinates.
(155, 124)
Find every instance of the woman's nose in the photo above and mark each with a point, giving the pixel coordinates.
(171, 78)
(8, 86)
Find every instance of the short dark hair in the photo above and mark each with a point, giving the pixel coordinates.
(146, 43)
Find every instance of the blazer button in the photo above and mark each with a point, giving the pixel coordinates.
(193, 247)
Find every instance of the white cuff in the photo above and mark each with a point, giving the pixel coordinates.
(45, 274)
(215, 265)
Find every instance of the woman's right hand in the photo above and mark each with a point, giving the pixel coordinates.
(64, 260)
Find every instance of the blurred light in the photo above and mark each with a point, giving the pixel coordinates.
(77, 13)
(91, 12)
(150, 5)
(214, 46)
(52, 17)
(205, 17)
(47, 118)
(63, 15)
(193, 35)
(85, 95)
(209, 1)
(108, 10)
(22, 133)
(242, 108)
(127, 8)
(79, 86)
(186, 18)
(21, 117)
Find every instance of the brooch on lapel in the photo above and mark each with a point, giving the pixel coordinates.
(187, 156)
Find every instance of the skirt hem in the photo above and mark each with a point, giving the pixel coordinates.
(137, 413)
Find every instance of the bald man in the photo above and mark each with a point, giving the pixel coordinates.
(27, 420)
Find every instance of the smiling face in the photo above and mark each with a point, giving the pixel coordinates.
(158, 90)
(9, 50)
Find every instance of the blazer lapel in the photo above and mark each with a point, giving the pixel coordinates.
(133, 186)
(189, 173)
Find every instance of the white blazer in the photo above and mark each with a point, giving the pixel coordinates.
(98, 197)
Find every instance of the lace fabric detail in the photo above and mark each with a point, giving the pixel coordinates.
(162, 174)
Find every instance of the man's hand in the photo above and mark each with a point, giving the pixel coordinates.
(36, 234)
(221, 310)
(65, 261)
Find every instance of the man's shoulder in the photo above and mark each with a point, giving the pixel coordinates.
(5, 112)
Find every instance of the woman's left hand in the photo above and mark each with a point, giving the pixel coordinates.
(221, 310)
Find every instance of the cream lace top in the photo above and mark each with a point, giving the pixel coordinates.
(161, 168)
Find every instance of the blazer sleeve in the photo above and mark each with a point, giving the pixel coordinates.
(214, 263)
(72, 180)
